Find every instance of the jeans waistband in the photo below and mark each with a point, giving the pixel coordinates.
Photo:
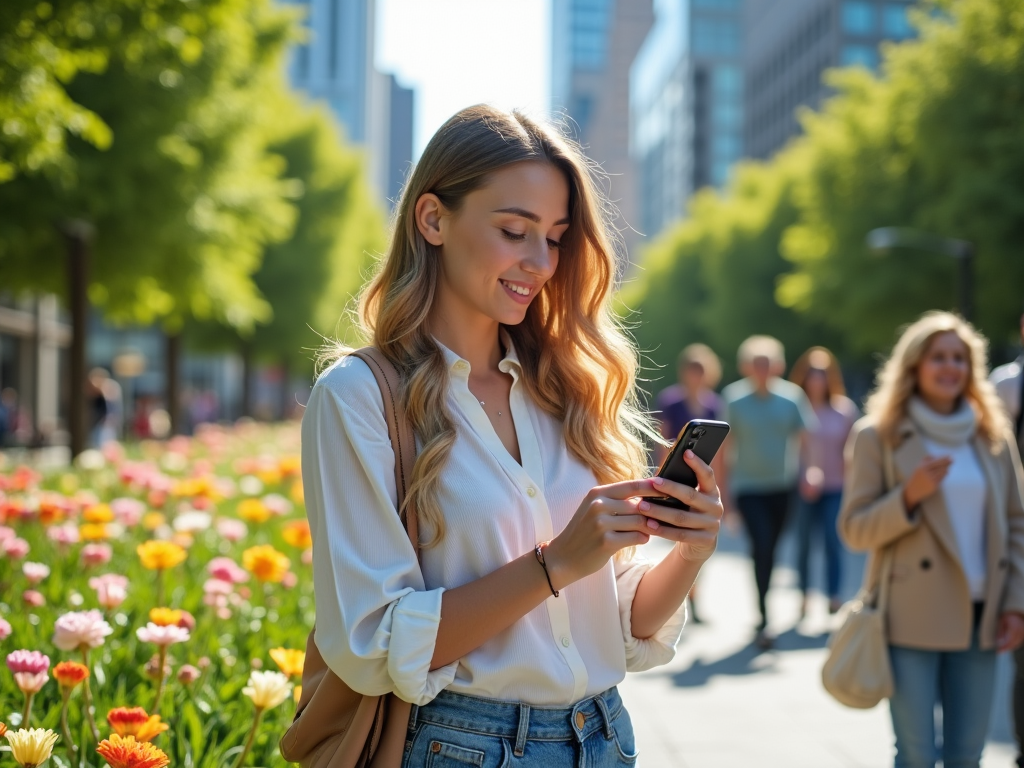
(521, 722)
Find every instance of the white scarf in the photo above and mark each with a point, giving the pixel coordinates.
(952, 430)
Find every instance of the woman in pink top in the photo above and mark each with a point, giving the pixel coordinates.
(821, 466)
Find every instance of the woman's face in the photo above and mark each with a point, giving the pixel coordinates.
(501, 247)
(816, 385)
(944, 370)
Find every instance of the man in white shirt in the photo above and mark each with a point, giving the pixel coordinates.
(1009, 382)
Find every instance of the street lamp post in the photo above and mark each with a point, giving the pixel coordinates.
(885, 238)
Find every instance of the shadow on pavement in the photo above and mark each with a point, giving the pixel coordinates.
(749, 660)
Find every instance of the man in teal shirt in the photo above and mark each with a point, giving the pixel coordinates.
(768, 416)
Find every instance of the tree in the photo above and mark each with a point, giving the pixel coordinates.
(932, 143)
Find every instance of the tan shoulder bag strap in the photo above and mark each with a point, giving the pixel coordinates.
(403, 441)
(885, 570)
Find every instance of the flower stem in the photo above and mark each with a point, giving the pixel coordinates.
(160, 586)
(65, 731)
(87, 695)
(251, 739)
(26, 713)
(160, 680)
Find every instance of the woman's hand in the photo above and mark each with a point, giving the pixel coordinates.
(925, 480)
(606, 521)
(1010, 635)
(695, 531)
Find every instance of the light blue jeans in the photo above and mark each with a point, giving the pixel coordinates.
(456, 731)
(962, 682)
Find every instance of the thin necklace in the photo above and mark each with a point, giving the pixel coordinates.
(482, 405)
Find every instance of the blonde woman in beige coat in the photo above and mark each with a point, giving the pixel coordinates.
(955, 517)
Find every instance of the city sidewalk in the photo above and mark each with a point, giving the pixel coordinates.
(722, 704)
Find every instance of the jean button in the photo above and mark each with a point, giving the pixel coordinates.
(581, 720)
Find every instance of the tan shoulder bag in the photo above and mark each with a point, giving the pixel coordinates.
(858, 672)
(334, 726)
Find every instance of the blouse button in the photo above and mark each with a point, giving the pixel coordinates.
(531, 491)
(565, 642)
(460, 366)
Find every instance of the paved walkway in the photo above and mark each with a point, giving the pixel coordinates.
(722, 704)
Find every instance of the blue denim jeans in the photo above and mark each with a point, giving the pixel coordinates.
(811, 517)
(963, 683)
(455, 731)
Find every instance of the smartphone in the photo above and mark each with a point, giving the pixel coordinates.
(702, 436)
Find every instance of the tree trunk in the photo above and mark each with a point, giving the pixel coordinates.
(172, 363)
(247, 379)
(78, 235)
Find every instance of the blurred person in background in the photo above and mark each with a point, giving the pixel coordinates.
(821, 467)
(698, 372)
(105, 407)
(768, 416)
(1009, 383)
(955, 517)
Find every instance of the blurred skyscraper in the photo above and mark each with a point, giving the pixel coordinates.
(686, 105)
(593, 44)
(337, 65)
(789, 43)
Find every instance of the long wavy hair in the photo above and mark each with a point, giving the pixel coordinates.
(820, 359)
(897, 379)
(578, 364)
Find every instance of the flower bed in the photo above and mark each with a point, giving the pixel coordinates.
(171, 587)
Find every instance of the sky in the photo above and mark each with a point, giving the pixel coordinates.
(456, 53)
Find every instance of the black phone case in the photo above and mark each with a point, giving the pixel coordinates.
(705, 445)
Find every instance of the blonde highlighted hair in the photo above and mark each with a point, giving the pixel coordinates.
(578, 364)
(897, 379)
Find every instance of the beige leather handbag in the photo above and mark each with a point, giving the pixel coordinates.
(334, 726)
(857, 671)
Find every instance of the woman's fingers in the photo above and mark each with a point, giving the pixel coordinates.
(705, 475)
(709, 503)
(679, 518)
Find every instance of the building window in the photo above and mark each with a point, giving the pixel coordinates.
(895, 23)
(590, 20)
(716, 37)
(718, 5)
(864, 55)
(727, 82)
(858, 17)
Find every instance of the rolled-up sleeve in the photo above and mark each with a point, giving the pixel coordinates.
(376, 624)
(658, 649)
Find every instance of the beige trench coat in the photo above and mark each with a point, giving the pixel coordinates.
(930, 605)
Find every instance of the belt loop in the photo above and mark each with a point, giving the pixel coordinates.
(414, 714)
(524, 729)
(609, 732)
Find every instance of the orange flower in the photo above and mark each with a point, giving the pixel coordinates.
(289, 466)
(98, 513)
(297, 492)
(289, 661)
(3, 730)
(134, 722)
(266, 563)
(253, 510)
(93, 532)
(165, 617)
(70, 673)
(126, 752)
(297, 534)
(160, 555)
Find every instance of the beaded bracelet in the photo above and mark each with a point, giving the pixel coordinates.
(539, 552)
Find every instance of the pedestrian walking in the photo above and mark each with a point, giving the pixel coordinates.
(1009, 383)
(526, 607)
(698, 371)
(955, 522)
(768, 416)
(820, 490)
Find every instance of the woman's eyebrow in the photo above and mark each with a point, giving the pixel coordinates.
(529, 215)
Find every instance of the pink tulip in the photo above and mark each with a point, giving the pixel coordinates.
(307, 557)
(5, 629)
(16, 548)
(29, 683)
(224, 613)
(217, 587)
(128, 511)
(63, 535)
(30, 662)
(96, 554)
(163, 636)
(231, 529)
(289, 580)
(111, 590)
(226, 569)
(33, 599)
(188, 674)
(277, 504)
(80, 629)
(6, 533)
(35, 572)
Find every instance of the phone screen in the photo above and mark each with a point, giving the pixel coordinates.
(702, 436)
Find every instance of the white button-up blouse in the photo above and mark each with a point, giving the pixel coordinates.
(378, 609)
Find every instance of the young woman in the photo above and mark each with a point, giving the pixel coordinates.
(955, 517)
(821, 466)
(493, 304)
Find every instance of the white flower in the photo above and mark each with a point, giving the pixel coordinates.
(90, 460)
(192, 521)
(154, 633)
(81, 628)
(35, 572)
(31, 747)
(250, 485)
(267, 689)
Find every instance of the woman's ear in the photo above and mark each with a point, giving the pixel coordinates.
(428, 212)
